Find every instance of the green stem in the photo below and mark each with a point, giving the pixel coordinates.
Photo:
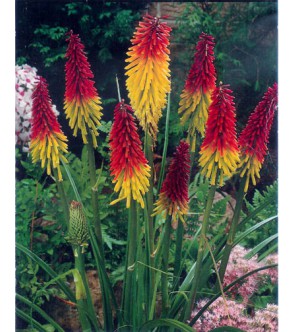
(63, 197)
(94, 194)
(192, 159)
(202, 243)
(81, 295)
(150, 196)
(129, 283)
(232, 231)
(166, 140)
(149, 219)
(178, 253)
(164, 276)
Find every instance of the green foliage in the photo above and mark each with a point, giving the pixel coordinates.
(266, 293)
(270, 193)
(50, 43)
(198, 191)
(105, 26)
(37, 207)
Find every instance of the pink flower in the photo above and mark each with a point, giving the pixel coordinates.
(231, 313)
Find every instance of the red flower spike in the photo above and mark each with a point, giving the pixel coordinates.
(128, 163)
(148, 72)
(219, 150)
(82, 103)
(47, 138)
(254, 138)
(196, 96)
(173, 198)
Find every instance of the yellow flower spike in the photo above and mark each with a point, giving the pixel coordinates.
(148, 72)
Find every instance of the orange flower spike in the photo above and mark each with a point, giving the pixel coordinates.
(82, 103)
(254, 138)
(148, 72)
(196, 95)
(173, 198)
(47, 139)
(129, 166)
(219, 150)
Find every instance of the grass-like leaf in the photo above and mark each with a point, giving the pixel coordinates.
(167, 322)
(260, 246)
(226, 329)
(40, 312)
(49, 271)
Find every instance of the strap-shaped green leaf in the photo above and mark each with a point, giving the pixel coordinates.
(226, 329)
(173, 323)
(48, 270)
(40, 312)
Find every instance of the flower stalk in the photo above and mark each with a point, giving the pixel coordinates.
(129, 296)
(94, 195)
(202, 245)
(164, 267)
(232, 230)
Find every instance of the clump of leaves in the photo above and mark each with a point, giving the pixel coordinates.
(270, 194)
(38, 226)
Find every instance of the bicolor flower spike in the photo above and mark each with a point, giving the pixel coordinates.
(148, 72)
(173, 198)
(82, 103)
(254, 138)
(196, 95)
(128, 164)
(48, 142)
(219, 150)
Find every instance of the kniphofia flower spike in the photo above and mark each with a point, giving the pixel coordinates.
(254, 138)
(148, 72)
(173, 198)
(196, 95)
(48, 142)
(82, 103)
(219, 150)
(128, 163)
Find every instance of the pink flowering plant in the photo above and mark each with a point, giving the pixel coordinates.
(184, 262)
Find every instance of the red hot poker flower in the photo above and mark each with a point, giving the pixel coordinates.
(82, 103)
(196, 96)
(128, 163)
(173, 198)
(254, 138)
(148, 72)
(47, 138)
(219, 150)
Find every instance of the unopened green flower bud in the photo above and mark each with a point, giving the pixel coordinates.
(78, 230)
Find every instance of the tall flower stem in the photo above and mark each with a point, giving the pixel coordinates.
(150, 205)
(63, 198)
(178, 252)
(233, 230)
(81, 293)
(202, 245)
(94, 194)
(165, 259)
(166, 140)
(129, 284)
